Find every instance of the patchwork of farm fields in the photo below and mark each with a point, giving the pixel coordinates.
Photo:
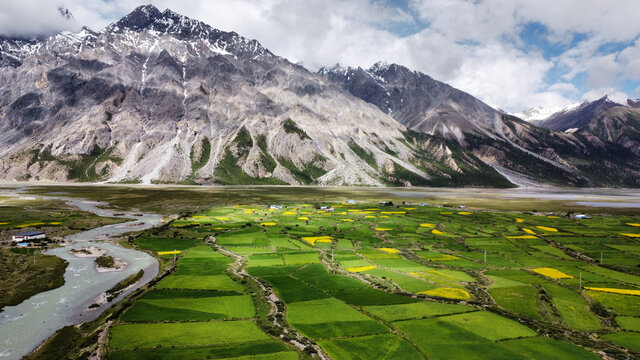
(363, 281)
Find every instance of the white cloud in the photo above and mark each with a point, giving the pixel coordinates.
(473, 45)
(31, 18)
(613, 94)
(564, 87)
(612, 20)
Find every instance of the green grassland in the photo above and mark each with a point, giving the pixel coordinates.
(22, 278)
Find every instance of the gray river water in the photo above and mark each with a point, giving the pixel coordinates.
(25, 326)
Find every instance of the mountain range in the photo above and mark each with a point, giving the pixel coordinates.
(157, 97)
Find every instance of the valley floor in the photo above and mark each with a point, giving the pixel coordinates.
(320, 276)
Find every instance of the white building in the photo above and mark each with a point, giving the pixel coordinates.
(29, 235)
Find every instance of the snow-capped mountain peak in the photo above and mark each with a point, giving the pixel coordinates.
(539, 113)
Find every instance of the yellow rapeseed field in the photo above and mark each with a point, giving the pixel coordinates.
(370, 217)
(393, 212)
(317, 239)
(522, 237)
(353, 210)
(630, 235)
(4, 223)
(371, 209)
(409, 209)
(347, 220)
(429, 273)
(464, 213)
(52, 223)
(31, 224)
(288, 213)
(438, 232)
(169, 252)
(546, 228)
(528, 231)
(446, 213)
(249, 211)
(553, 217)
(428, 225)
(633, 224)
(222, 218)
(445, 257)
(383, 229)
(449, 293)
(360, 268)
(303, 218)
(199, 216)
(520, 220)
(615, 291)
(552, 273)
(268, 224)
(389, 250)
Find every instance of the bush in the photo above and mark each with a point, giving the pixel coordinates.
(105, 261)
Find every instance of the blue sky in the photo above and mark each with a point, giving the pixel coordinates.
(512, 54)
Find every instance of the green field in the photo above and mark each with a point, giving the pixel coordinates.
(174, 320)
(371, 347)
(415, 310)
(203, 282)
(145, 336)
(629, 340)
(394, 282)
(330, 318)
(206, 308)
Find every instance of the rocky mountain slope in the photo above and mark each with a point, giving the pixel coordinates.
(603, 119)
(158, 97)
(519, 150)
(418, 101)
(573, 119)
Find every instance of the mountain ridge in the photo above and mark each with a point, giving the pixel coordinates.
(159, 97)
(604, 119)
(503, 141)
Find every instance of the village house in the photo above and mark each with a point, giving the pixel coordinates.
(29, 235)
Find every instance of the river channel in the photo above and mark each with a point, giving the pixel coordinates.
(25, 326)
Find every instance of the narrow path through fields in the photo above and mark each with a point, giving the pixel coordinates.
(239, 269)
